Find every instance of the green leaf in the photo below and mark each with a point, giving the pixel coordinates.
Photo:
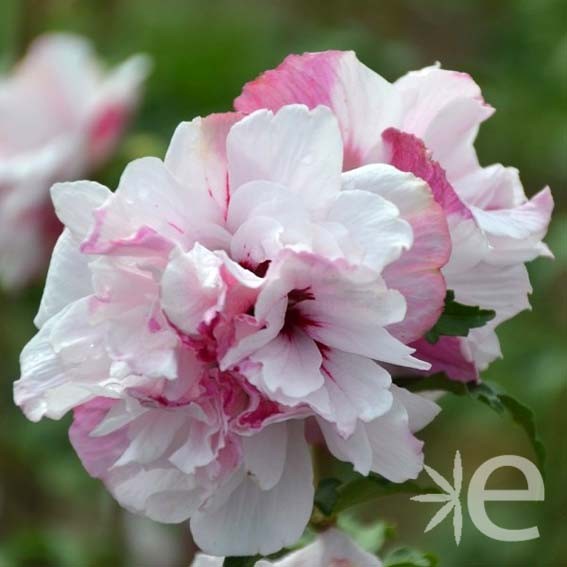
(334, 496)
(365, 488)
(489, 394)
(458, 319)
(326, 495)
(248, 561)
(406, 557)
(524, 417)
(436, 382)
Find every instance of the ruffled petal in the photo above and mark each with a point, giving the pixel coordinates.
(291, 363)
(63, 366)
(409, 153)
(250, 520)
(149, 212)
(358, 389)
(417, 273)
(298, 148)
(444, 109)
(516, 234)
(192, 288)
(370, 219)
(397, 454)
(75, 203)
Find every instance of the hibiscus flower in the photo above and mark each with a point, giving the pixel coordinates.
(61, 115)
(198, 320)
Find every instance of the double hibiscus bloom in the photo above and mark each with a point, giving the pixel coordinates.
(258, 288)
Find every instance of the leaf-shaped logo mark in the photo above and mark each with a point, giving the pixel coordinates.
(450, 497)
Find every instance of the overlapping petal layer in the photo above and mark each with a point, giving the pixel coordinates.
(221, 298)
(426, 123)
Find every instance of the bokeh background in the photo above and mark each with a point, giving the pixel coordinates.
(52, 513)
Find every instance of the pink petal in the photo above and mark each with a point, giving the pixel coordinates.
(409, 153)
(97, 454)
(365, 104)
(446, 356)
(114, 103)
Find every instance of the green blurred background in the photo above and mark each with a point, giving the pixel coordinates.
(52, 513)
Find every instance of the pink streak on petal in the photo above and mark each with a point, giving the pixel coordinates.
(408, 153)
(97, 454)
(417, 274)
(154, 325)
(300, 79)
(308, 79)
(143, 242)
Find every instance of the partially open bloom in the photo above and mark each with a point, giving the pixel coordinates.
(222, 302)
(332, 548)
(60, 116)
(426, 123)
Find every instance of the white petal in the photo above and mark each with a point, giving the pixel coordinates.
(265, 453)
(197, 158)
(202, 560)
(397, 454)
(68, 278)
(444, 109)
(163, 494)
(421, 411)
(295, 147)
(347, 327)
(63, 366)
(191, 288)
(370, 220)
(75, 202)
(150, 437)
(331, 548)
(253, 520)
(291, 363)
(355, 449)
(358, 389)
